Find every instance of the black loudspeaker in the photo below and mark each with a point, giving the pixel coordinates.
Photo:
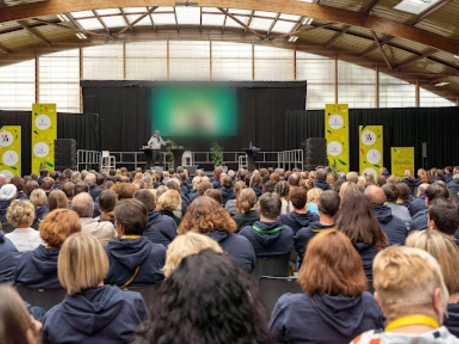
(65, 154)
(315, 152)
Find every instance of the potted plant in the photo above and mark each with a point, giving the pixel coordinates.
(216, 154)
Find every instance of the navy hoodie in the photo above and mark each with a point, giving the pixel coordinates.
(237, 247)
(94, 191)
(453, 186)
(421, 219)
(39, 215)
(246, 219)
(227, 194)
(452, 321)
(367, 254)
(104, 314)
(320, 318)
(165, 223)
(393, 226)
(9, 257)
(417, 205)
(304, 235)
(411, 183)
(296, 221)
(4, 204)
(258, 191)
(269, 239)
(38, 268)
(126, 254)
(322, 185)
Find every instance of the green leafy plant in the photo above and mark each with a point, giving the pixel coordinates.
(170, 157)
(216, 154)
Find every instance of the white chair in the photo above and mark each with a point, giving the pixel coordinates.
(107, 161)
(242, 162)
(187, 158)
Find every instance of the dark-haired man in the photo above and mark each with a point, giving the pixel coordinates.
(444, 217)
(434, 191)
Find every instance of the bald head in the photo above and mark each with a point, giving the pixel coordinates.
(375, 194)
(83, 204)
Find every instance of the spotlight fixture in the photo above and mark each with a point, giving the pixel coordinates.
(293, 39)
(441, 83)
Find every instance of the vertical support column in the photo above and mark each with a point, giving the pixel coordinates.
(253, 61)
(336, 80)
(80, 72)
(294, 64)
(210, 60)
(418, 95)
(124, 59)
(37, 78)
(377, 87)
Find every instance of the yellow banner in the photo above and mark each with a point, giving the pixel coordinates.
(371, 149)
(337, 135)
(10, 150)
(402, 159)
(44, 132)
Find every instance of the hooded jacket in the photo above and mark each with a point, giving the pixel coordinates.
(453, 186)
(367, 254)
(296, 221)
(38, 268)
(437, 336)
(246, 219)
(331, 319)
(269, 239)
(411, 183)
(227, 194)
(452, 321)
(258, 190)
(94, 191)
(394, 227)
(421, 219)
(39, 215)
(237, 247)
(125, 255)
(4, 204)
(104, 314)
(158, 223)
(304, 235)
(322, 185)
(402, 213)
(417, 205)
(9, 257)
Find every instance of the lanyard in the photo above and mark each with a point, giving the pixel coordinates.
(408, 320)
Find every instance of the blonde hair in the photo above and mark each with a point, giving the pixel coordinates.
(82, 263)
(405, 279)
(313, 195)
(20, 213)
(444, 250)
(185, 245)
(348, 188)
(38, 197)
(169, 200)
(247, 200)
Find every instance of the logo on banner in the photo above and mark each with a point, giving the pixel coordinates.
(43, 122)
(373, 156)
(336, 122)
(41, 149)
(368, 137)
(10, 158)
(6, 139)
(334, 148)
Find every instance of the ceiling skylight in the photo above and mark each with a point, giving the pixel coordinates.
(114, 21)
(90, 24)
(188, 15)
(143, 22)
(261, 24)
(415, 6)
(283, 26)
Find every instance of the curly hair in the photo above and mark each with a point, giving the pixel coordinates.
(20, 213)
(58, 225)
(207, 299)
(205, 215)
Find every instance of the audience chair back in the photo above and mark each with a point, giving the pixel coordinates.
(45, 298)
(272, 266)
(148, 292)
(272, 288)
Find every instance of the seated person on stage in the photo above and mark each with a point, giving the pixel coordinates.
(248, 214)
(134, 259)
(155, 142)
(444, 217)
(412, 294)
(268, 237)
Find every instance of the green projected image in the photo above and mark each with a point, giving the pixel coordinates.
(196, 112)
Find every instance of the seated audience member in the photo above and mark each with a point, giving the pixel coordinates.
(393, 226)
(359, 223)
(47, 184)
(214, 194)
(453, 184)
(329, 202)
(83, 205)
(269, 186)
(352, 177)
(448, 174)
(227, 189)
(170, 204)
(9, 257)
(20, 215)
(248, 214)
(107, 201)
(215, 180)
(348, 188)
(7, 195)
(69, 190)
(231, 205)
(16, 324)
(419, 203)
(91, 312)
(399, 210)
(320, 180)
(405, 196)
(424, 176)
(313, 198)
(206, 216)
(334, 301)
(81, 187)
(283, 189)
(408, 180)
(161, 229)
(206, 299)
(300, 217)
(30, 186)
(124, 190)
(256, 184)
(134, 259)
(39, 201)
(447, 255)
(19, 183)
(410, 290)
(57, 200)
(38, 268)
(433, 192)
(269, 237)
(94, 189)
(444, 217)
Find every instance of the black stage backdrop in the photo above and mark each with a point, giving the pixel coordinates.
(125, 119)
(82, 128)
(403, 127)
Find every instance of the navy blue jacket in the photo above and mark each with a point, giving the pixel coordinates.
(192, 196)
(237, 247)
(176, 219)
(322, 185)
(417, 205)
(304, 235)
(452, 321)
(296, 221)
(453, 186)
(9, 257)
(269, 239)
(126, 254)
(258, 190)
(367, 254)
(393, 226)
(22, 196)
(320, 318)
(421, 219)
(411, 183)
(4, 204)
(246, 219)
(166, 224)
(104, 314)
(94, 191)
(448, 177)
(39, 215)
(38, 268)
(227, 194)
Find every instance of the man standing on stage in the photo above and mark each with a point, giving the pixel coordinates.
(155, 142)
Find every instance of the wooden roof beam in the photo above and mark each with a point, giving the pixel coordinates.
(381, 49)
(414, 60)
(34, 33)
(367, 10)
(5, 49)
(151, 10)
(72, 28)
(337, 36)
(375, 46)
(431, 10)
(245, 26)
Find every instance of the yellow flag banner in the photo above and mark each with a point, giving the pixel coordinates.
(371, 149)
(402, 158)
(44, 132)
(337, 135)
(10, 150)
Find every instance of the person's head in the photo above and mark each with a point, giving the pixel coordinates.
(16, 324)
(57, 199)
(69, 189)
(444, 216)
(185, 245)
(207, 299)
(391, 192)
(409, 281)
(30, 186)
(247, 200)
(408, 174)
(404, 192)
(215, 194)
(436, 191)
(392, 180)
(81, 187)
(375, 194)
(8, 192)
(83, 204)
(47, 184)
(328, 203)
(58, 225)
(156, 133)
(314, 194)
(269, 206)
(18, 182)
(422, 189)
(38, 198)
(358, 221)
(332, 266)
(348, 188)
(2, 179)
(282, 188)
(124, 190)
(90, 178)
(298, 196)
(131, 217)
(82, 263)
(226, 181)
(321, 175)
(169, 200)
(294, 179)
(206, 215)
(147, 198)
(107, 201)
(352, 177)
(424, 175)
(269, 186)
(255, 180)
(203, 187)
(20, 214)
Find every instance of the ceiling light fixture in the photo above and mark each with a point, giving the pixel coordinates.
(307, 21)
(81, 35)
(442, 83)
(63, 18)
(293, 39)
